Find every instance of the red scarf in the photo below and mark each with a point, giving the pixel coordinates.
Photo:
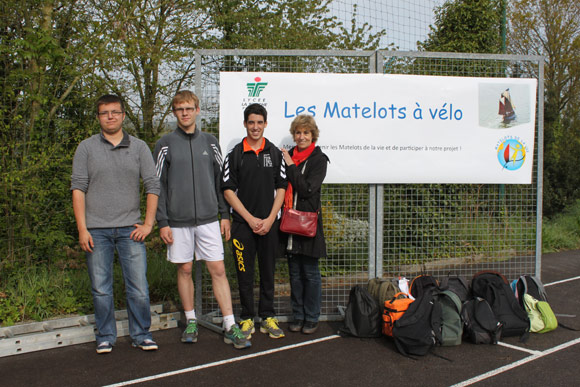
(298, 157)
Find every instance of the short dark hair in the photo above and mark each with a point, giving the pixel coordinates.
(110, 98)
(255, 108)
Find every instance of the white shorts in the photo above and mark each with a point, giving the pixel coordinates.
(205, 241)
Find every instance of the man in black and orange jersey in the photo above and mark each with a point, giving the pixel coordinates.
(254, 183)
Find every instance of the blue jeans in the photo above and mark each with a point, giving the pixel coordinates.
(306, 287)
(133, 260)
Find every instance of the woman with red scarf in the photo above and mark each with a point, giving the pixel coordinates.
(306, 170)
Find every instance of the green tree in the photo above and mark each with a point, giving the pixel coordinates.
(467, 26)
(152, 56)
(552, 28)
(272, 24)
(57, 56)
(472, 26)
(48, 55)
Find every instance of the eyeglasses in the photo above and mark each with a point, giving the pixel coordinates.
(115, 113)
(185, 110)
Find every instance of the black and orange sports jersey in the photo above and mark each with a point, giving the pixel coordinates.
(254, 177)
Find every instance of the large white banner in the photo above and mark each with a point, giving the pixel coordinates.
(379, 128)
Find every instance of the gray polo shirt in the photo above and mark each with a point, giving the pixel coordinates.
(110, 178)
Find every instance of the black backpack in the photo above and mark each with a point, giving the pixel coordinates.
(457, 285)
(495, 289)
(421, 284)
(420, 327)
(480, 326)
(363, 316)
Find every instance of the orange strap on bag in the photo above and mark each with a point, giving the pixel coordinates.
(394, 310)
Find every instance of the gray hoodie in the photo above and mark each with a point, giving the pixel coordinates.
(189, 168)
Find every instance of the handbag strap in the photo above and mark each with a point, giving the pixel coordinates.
(295, 191)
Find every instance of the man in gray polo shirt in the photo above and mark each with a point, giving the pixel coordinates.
(107, 169)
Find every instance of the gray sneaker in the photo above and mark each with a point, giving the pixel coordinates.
(247, 327)
(270, 326)
(190, 333)
(236, 337)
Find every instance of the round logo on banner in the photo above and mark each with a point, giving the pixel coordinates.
(511, 154)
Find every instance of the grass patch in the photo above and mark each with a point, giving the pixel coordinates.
(38, 293)
(562, 232)
(49, 290)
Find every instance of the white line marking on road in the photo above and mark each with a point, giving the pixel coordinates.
(530, 351)
(222, 362)
(518, 363)
(562, 281)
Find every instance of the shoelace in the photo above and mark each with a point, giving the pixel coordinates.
(237, 332)
(191, 328)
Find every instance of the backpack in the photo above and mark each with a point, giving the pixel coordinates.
(457, 285)
(422, 283)
(420, 327)
(451, 323)
(480, 326)
(394, 310)
(382, 289)
(529, 284)
(363, 314)
(495, 289)
(542, 318)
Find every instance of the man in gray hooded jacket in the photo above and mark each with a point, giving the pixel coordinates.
(189, 164)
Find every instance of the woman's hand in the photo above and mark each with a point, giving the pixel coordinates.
(287, 157)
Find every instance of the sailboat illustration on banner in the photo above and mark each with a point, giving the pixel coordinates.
(506, 107)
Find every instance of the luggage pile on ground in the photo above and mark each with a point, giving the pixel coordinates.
(430, 312)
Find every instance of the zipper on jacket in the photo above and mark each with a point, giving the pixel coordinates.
(193, 179)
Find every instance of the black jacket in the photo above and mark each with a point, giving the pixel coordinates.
(254, 178)
(308, 187)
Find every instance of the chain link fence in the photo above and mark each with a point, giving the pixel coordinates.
(404, 21)
(396, 229)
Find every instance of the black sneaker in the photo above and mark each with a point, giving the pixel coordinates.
(309, 327)
(147, 345)
(104, 347)
(296, 326)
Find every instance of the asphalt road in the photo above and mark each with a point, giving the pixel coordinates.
(324, 358)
